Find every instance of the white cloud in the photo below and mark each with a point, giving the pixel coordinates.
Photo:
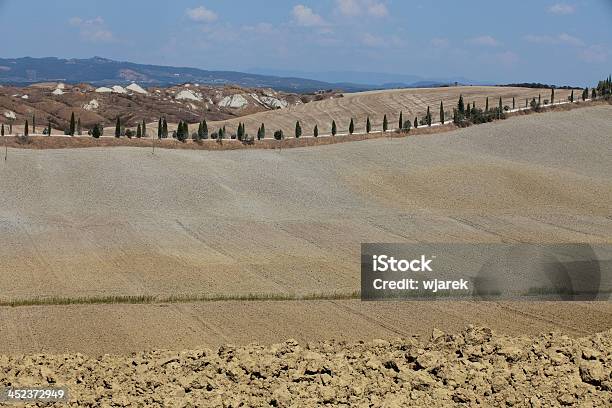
(568, 39)
(484, 40)
(378, 10)
(561, 8)
(353, 8)
(201, 15)
(92, 30)
(562, 38)
(304, 16)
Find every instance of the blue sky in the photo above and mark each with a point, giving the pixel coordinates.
(562, 42)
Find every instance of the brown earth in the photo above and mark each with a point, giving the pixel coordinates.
(475, 367)
(122, 329)
(132, 107)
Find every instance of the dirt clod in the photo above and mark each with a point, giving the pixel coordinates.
(506, 371)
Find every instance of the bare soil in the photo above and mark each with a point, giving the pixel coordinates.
(475, 367)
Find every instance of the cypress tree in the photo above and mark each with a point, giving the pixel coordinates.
(351, 127)
(239, 131)
(428, 117)
(34, 124)
(263, 131)
(159, 129)
(401, 120)
(118, 127)
(473, 105)
(200, 131)
(585, 94)
(468, 110)
(79, 130)
(593, 94)
(138, 131)
(26, 130)
(165, 128)
(259, 133)
(513, 103)
(539, 99)
(385, 123)
(500, 108)
(441, 112)
(416, 122)
(204, 129)
(487, 105)
(298, 129)
(72, 124)
(368, 125)
(334, 129)
(461, 105)
(49, 129)
(572, 96)
(95, 133)
(144, 128)
(315, 132)
(552, 96)
(2, 130)
(526, 103)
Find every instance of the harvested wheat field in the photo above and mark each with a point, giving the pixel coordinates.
(82, 226)
(376, 104)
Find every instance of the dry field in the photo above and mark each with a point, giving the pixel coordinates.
(360, 105)
(124, 222)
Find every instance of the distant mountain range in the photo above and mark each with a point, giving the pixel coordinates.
(370, 79)
(102, 71)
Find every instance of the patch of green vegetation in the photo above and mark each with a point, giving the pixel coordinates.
(149, 299)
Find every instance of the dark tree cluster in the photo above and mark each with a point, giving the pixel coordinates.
(467, 115)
